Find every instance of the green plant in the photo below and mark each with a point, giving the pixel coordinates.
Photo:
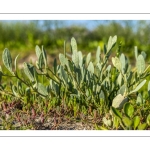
(129, 118)
(71, 78)
(78, 84)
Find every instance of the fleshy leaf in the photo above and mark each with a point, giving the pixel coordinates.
(64, 75)
(140, 64)
(38, 51)
(75, 58)
(139, 99)
(111, 43)
(7, 60)
(91, 67)
(73, 45)
(136, 121)
(88, 58)
(98, 52)
(127, 122)
(143, 54)
(80, 59)
(44, 56)
(55, 66)
(63, 59)
(14, 90)
(116, 62)
(42, 89)
(119, 101)
(15, 63)
(128, 110)
(123, 63)
(139, 86)
(28, 70)
(122, 90)
(142, 126)
(116, 112)
(40, 61)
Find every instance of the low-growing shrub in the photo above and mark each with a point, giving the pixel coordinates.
(79, 84)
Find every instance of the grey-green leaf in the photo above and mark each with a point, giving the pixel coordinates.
(80, 59)
(88, 58)
(55, 66)
(28, 70)
(42, 89)
(138, 87)
(140, 64)
(40, 61)
(75, 58)
(7, 60)
(108, 68)
(98, 52)
(91, 67)
(111, 43)
(119, 79)
(119, 101)
(14, 90)
(64, 75)
(99, 66)
(63, 59)
(44, 56)
(123, 63)
(15, 63)
(73, 44)
(143, 54)
(122, 90)
(116, 62)
(102, 95)
(38, 51)
(139, 99)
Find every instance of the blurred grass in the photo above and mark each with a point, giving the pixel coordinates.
(21, 37)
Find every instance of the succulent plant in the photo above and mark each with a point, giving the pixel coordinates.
(78, 82)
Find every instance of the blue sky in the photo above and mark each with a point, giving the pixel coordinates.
(90, 24)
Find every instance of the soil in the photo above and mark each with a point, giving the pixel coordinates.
(65, 124)
(53, 123)
(19, 119)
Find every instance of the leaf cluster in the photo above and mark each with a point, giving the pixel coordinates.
(78, 82)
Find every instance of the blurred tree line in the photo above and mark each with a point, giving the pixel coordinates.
(52, 34)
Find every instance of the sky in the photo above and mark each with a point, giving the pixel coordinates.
(90, 24)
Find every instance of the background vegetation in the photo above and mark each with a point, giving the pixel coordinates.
(24, 35)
